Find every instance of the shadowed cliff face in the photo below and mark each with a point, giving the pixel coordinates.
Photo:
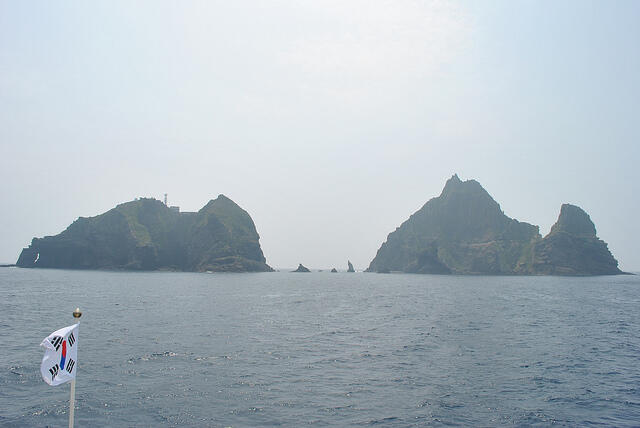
(464, 231)
(147, 235)
(572, 248)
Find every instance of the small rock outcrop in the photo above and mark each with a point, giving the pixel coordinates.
(334, 270)
(301, 268)
(350, 267)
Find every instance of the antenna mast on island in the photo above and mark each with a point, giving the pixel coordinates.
(165, 199)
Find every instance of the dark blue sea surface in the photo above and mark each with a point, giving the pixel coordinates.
(283, 349)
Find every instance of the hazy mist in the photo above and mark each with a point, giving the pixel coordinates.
(330, 122)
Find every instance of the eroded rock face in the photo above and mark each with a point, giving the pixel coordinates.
(464, 231)
(572, 248)
(575, 221)
(301, 269)
(350, 267)
(147, 235)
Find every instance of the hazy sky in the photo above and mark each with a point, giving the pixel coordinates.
(330, 122)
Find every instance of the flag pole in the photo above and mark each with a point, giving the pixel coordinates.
(72, 400)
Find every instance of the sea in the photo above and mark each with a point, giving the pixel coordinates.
(323, 349)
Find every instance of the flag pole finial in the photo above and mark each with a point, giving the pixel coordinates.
(77, 313)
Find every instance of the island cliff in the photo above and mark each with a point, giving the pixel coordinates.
(572, 248)
(464, 231)
(145, 234)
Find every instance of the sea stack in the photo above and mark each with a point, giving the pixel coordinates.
(302, 269)
(350, 267)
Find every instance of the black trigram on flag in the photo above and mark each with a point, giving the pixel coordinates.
(71, 339)
(54, 371)
(56, 341)
(70, 365)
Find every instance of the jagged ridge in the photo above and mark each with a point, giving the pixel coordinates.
(464, 231)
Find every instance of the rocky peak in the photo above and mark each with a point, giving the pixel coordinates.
(575, 221)
(350, 266)
(453, 180)
(302, 268)
(453, 184)
(219, 201)
(454, 187)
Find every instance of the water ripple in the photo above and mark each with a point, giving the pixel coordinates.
(169, 349)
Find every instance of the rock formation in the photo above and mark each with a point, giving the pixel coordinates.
(572, 248)
(301, 269)
(350, 267)
(334, 270)
(464, 231)
(145, 234)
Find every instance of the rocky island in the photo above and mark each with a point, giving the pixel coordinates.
(145, 234)
(350, 267)
(301, 269)
(464, 231)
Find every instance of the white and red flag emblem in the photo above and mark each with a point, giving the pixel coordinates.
(60, 361)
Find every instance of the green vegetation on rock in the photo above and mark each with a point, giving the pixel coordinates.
(464, 231)
(146, 235)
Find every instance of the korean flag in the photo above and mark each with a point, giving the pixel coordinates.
(60, 361)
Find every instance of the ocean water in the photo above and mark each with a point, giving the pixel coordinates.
(321, 349)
